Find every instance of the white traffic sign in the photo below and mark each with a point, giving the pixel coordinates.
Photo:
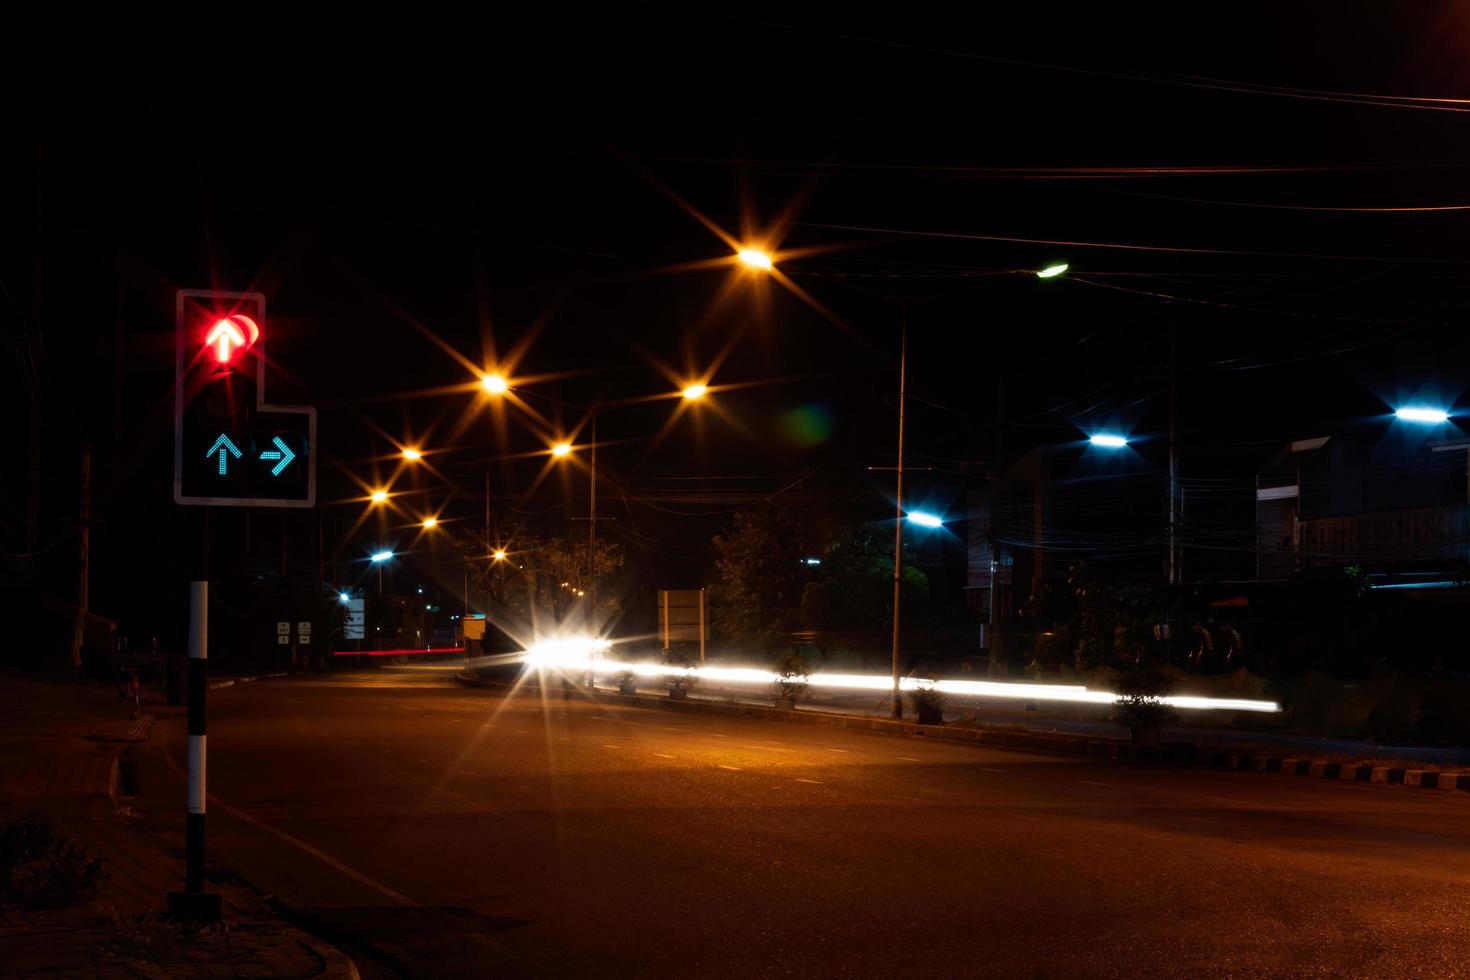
(283, 629)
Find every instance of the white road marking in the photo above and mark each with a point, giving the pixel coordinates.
(731, 768)
(983, 769)
(607, 746)
(816, 782)
(911, 799)
(1090, 782)
(718, 735)
(322, 856)
(830, 749)
(906, 758)
(662, 755)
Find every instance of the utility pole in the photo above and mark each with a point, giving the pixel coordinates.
(84, 548)
(903, 353)
(592, 546)
(1172, 563)
(997, 552)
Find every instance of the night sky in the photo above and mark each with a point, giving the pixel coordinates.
(1230, 172)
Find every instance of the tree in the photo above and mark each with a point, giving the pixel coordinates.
(761, 572)
(540, 580)
(766, 590)
(855, 591)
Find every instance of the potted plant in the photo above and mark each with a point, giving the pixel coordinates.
(1139, 707)
(680, 679)
(928, 703)
(626, 681)
(792, 674)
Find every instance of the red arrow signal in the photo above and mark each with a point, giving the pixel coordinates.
(238, 330)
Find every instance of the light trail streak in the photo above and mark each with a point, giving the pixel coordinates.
(583, 654)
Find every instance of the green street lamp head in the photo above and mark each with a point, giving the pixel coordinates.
(1052, 271)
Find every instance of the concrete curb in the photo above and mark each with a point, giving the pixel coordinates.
(221, 685)
(1175, 753)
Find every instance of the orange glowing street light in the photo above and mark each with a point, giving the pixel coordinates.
(498, 554)
(411, 454)
(430, 523)
(755, 258)
(561, 449)
(379, 496)
(494, 384)
(694, 392)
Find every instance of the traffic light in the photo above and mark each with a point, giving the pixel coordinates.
(231, 448)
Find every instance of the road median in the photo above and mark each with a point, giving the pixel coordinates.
(1183, 754)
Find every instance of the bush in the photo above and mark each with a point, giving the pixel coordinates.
(792, 674)
(42, 870)
(1138, 706)
(683, 661)
(926, 699)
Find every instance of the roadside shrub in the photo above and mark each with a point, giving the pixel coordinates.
(928, 703)
(1138, 707)
(682, 660)
(41, 870)
(792, 674)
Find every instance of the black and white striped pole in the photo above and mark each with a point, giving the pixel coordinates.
(194, 903)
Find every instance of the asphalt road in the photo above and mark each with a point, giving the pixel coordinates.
(465, 832)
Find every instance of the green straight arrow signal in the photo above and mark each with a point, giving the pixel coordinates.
(223, 445)
(285, 455)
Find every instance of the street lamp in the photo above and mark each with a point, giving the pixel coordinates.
(694, 392)
(411, 454)
(1424, 415)
(494, 384)
(561, 449)
(1050, 272)
(755, 258)
(1104, 440)
(429, 523)
(498, 554)
(378, 558)
(379, 496)
(923, 519)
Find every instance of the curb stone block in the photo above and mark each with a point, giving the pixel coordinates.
(1448, 780)
(1415, 777)
(1269, 763)
(1386, 774)
(1324, 770)
(1463, 782)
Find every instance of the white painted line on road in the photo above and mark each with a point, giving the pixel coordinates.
(983, 769)
(1090, 782)
(600, 717)
(662, 755)
(325, 858)
(466, 772)
(815, 782)
(718, 735)
(731, 768)
(606, 746)
(907, 758)
(911, 799)
(667, 729)
(520, 731)
(563, 738)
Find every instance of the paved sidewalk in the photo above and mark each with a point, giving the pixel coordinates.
(59, 749)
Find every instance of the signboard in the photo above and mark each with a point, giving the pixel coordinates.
(283, 629)
(303, 632)
(354, 628)
(681, 616)
(231, 448)
(474, 627)
(283, 640)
